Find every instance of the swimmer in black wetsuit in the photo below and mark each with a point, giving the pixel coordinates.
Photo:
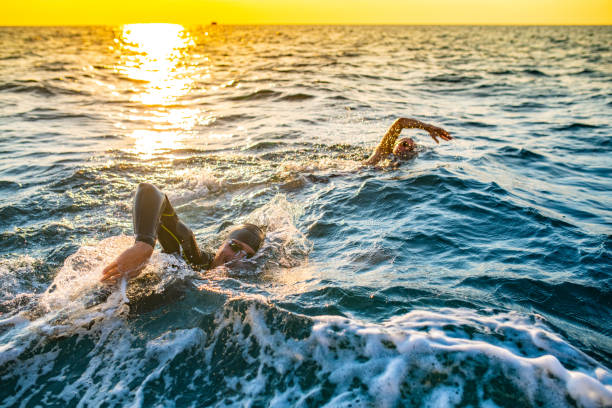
(156, 220)
(405, 148)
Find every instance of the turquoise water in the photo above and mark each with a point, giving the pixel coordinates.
(477, 274)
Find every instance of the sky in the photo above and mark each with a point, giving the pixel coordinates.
(188, 12)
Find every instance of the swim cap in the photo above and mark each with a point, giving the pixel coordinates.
(250, 234)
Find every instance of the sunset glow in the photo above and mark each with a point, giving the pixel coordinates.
(75, 12)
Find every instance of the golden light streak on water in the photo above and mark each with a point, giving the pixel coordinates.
(155, 54)
(155, 58)
(148, 142)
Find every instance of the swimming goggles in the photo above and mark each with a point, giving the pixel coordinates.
(235, 246)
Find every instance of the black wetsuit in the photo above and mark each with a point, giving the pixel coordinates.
(155, 219)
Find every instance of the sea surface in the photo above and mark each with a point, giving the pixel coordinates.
(478, 274)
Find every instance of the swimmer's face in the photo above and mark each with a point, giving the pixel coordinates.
(231, 250)
(404, 148)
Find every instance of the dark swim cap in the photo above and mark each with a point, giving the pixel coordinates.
(250, 234)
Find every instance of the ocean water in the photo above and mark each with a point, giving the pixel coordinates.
(477, 274)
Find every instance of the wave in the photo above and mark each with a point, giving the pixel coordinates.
(379, 304)
(586, 71)
(252, 351)
(39, 234)
(10, 185)
(534, 72)
(235, 118)
(344, 98)
(525, 106)
(296, 97)
(40, 114)
(263, 145)
(454, 79)
(576, 126)
(478, 124)
(586, 305)
(355, 76)
(53, 66)
(502, 72)
(10, 211)
(11, 57)
(519, 153)
(21, 279)
(40, 89)
(261, 94)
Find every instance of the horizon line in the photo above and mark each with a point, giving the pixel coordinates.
(321, 24)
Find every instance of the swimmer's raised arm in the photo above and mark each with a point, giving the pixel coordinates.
(385, 147)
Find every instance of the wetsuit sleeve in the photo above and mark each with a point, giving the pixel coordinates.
(155, 219)
(174, 233)
(148, 205)
(191, 252)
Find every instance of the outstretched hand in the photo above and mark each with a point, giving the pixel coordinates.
(129, 264)
(436, 132)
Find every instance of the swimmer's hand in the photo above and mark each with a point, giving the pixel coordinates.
(129, 264)
(436, 132)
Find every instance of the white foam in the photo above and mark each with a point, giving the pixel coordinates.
(313, 166)
(163, 350)
(20, 276)
(385, 387)
(35, 367)
(81, 272)
(195, 183)
(76, 298)
(436, 357)
(419, 351)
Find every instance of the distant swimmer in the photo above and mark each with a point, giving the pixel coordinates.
(155, 220)
(405, 148)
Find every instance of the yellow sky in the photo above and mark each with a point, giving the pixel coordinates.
(85, 12)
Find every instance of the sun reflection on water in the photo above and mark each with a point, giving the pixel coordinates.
(155, 59)
(155, 54)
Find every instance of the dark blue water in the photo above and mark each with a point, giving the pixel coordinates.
(477, 274)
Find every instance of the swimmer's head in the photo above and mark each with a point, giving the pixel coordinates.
(242, 242)
(404, 148)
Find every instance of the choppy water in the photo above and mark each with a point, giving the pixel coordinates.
(478, 274)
